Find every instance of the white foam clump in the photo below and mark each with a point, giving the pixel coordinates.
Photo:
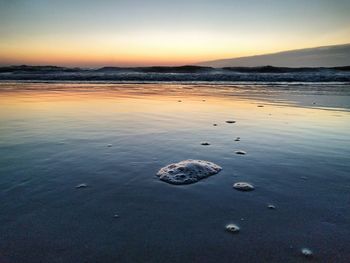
(188, 171)
(307, 252)
(243, 186)
(81, 186)
(232, 228)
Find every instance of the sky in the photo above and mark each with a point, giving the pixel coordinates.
(160, 32)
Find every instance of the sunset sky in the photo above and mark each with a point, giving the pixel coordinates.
(160, 32)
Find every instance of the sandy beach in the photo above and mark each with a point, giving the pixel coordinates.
(79, 162)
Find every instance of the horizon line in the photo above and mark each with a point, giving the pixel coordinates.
(198, 63)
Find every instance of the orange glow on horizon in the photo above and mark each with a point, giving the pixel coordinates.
(153, 48)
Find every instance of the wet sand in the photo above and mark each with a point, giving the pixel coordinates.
(114, 138)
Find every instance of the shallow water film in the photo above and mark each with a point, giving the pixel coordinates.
(78, 165)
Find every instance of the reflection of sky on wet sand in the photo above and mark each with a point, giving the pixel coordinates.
(159, 104)
(55, 136)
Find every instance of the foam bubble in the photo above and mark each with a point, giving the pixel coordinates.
(232, 228)
(187, 171)
(81, 186)
(306, 252)
(243, 186)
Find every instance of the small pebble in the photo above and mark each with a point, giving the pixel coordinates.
(237, 139)
(306, 252)
(179, 101)
(241, 152)
(205, 143)
(230, 121)
(243, 186)
(81, 186)
(271, 207)
(232, 228)
(215, 124)
(260, 106)
(116, 216)
(109, 145)
(203, 100)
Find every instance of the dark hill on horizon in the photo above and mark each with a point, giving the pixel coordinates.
(325, 56)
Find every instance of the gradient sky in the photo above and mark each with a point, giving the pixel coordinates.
(155, 32)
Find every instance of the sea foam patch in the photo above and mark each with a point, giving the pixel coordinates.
(188, 171)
